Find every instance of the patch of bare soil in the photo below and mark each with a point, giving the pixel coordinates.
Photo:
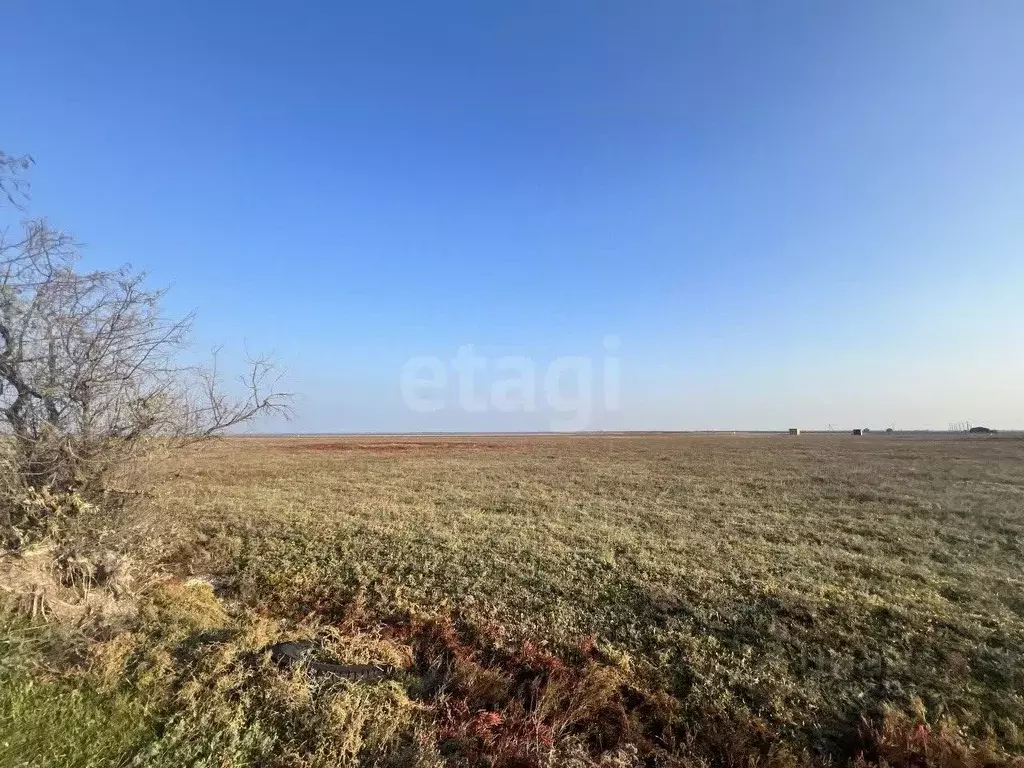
(399, 447)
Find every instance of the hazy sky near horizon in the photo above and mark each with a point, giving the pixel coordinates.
(750, 215)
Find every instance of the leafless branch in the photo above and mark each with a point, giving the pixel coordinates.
(13, 186)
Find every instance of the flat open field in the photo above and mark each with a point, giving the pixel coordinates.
(800, 580)
(716, 599)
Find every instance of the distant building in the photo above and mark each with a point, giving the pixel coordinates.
(858, 431)
(794, 431)
(981, 431)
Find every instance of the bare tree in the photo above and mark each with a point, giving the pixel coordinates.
(91, 383)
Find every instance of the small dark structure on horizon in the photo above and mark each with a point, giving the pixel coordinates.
(981, 431)
(858, 431)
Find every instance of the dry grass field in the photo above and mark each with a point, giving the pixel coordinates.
(555, 600)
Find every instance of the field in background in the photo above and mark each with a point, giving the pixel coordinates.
(718, 596)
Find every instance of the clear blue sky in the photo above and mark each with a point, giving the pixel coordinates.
(788, 213)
